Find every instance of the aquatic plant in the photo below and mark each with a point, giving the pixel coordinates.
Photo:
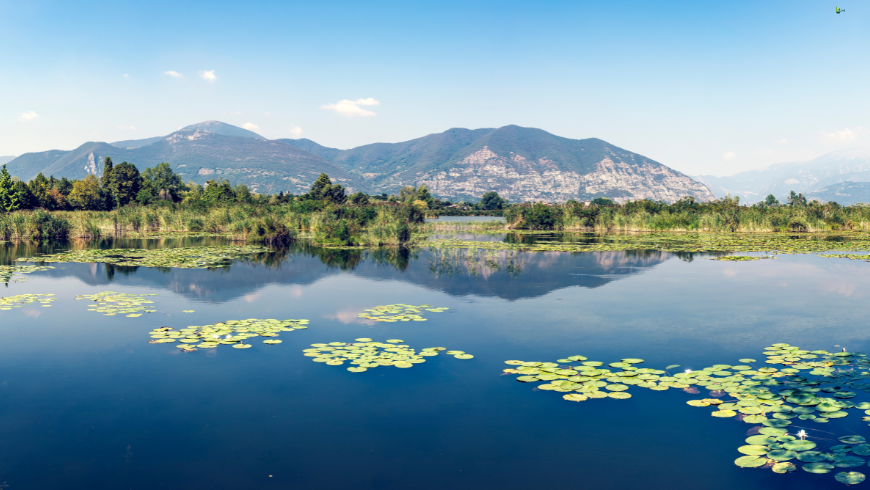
(674, 242)
(17, 301)
(110, 303)
(230, 332)
(769, 396)
(367, 354)
(183, 257)
(10, 272)
(399, 313)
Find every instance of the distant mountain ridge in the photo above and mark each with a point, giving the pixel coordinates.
(521, 164)
(6, 159)
(810, 177)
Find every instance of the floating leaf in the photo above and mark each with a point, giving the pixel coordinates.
(849, 477)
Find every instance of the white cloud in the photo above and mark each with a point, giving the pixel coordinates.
(268, 113)
(251, 127)
(28, 116)
(729, 155)
(126, 75)
(296, 131)
(838, 136)
(173, 74)
(351, 108)
(782, 141)
(208, 75)
(127, 128)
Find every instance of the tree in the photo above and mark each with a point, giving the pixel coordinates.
(603, 201)
(770, 200)
(797, 199)
(8, 197)
(359, 199)
(106, 182)
(161, 178)
(218, 192)
(491, 200)
(324, 190)
(407, 194)
(64, 186)
(85, 193)
(424, 195)
(124, 183)
(39, 188)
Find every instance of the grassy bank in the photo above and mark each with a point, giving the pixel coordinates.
(722, 216)
(325, 224)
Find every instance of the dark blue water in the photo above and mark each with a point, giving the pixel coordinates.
(86, 402)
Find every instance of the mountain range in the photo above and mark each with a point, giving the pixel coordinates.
(819, 178)
(521, 164)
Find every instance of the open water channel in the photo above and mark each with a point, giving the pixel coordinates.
(87, 402)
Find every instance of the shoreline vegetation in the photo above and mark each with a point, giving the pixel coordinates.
(156, 203)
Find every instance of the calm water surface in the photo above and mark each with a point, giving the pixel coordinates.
(87, 403)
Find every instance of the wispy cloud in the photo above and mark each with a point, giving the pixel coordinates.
(208, 75)
(729, 155)
(782, 141)
(296, 131)
(173, 74)
(126, 75)
(28, 116)
(351, 108)
(127, 128)
(839, 136)
(251, 126)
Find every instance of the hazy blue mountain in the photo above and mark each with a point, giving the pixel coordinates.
(137, 143)
(807, 177)
(198, 155)
(844, 193)
(6, 159)
(521, 164)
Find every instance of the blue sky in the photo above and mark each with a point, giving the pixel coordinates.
(704, 87)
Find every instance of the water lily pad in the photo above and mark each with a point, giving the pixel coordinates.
(818, 468)
(724, 413)
(784, 467)
(852, 439)
(849, 477)
(798, 445)
(753, 450)
(574, 397)
(750, 461)
(781, 455)
(811, 457)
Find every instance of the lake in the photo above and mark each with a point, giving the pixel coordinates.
(87, 402)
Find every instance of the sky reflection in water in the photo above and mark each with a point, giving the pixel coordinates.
(89, 403)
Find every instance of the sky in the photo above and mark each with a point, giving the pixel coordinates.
(710, 88)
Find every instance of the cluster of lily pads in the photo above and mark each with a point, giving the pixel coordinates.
(110, 303)
(864, 257)
(182, 257)
(232, 332)
(17, 301)
(8, 272)
(366, 354)
(772, 397)
(740, 258)
(399, 313)
(775, 243)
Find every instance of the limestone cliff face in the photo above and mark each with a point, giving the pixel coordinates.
(519, 179)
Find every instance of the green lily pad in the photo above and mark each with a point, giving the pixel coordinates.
(852, 439)
(849, 477)
(750, 461)
(753, 450)
(811, 457)
(781, 455)
(784, 467)
(798, 445)
(818, 468)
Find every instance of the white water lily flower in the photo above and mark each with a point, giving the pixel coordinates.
(688, 371)
(802, 434)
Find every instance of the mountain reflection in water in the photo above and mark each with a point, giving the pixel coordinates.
(505, 274)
